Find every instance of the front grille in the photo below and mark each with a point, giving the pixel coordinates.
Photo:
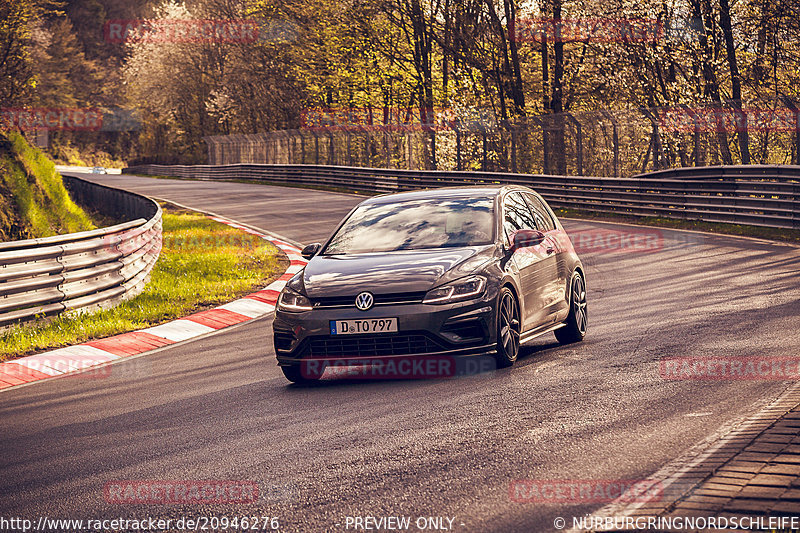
(371, 345)
(380, 299)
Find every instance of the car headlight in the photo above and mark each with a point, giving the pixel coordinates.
(293, 302)
(462, 289)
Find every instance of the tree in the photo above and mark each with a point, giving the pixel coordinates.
(17, 18)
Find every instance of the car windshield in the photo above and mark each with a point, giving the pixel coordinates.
(415, 225)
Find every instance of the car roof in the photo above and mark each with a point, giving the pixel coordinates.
(477, 191)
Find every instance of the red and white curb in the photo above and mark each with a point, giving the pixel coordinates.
(98, 352)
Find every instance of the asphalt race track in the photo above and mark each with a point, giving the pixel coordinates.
(219, 408)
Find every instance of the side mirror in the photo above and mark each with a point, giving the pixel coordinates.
(525, 238)
(311, 250)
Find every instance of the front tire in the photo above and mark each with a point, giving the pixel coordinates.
(577, 320)
(508, 328)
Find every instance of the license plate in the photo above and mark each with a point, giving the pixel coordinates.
(368, 325)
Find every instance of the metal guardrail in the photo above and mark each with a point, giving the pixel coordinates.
(757, 195)
(83, 270)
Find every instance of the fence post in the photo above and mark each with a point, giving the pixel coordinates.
(616, 150)
(791, 105)
(655, 139)
(578, 142)
(331, 151)
(797, 137)
(484, 147)
(434, 148)
(614, 140)
(276, 148)
(369, 148)
(283, 136)
(365, 157)
(209, 150)
(458, 149)
(696, 135)
(514, 149)
(545, 147)
(386, 148)
(267, 153)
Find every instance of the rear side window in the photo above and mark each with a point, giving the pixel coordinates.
(544, 222)
(516, 215)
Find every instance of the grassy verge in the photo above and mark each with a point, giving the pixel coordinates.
(203, 263)
(36, 203)
(775, 234)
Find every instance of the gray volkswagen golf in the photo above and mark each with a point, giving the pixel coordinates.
(433, 273)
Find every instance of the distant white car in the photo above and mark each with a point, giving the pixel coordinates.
(99, 170)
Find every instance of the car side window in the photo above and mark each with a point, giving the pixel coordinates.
(516, 215)
(544, 222)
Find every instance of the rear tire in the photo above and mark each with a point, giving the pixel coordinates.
(577, 320)
(508, 328)
(296, 374)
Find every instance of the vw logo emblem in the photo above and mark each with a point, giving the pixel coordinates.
(364, 301)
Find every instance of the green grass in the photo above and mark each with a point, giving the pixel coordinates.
(203, 263)
(41, 204)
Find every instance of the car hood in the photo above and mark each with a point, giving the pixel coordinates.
(391, 272)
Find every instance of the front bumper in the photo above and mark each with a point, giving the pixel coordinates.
(459, 329)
